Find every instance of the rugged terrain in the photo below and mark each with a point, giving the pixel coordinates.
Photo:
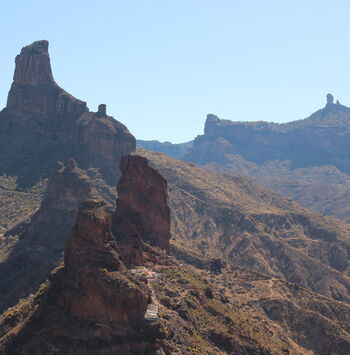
(184, 260)
(282, 282)
(230, 217)
(93, 303)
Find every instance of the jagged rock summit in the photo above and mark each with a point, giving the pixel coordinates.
(142, 212)
(34, 89)
(42, 123)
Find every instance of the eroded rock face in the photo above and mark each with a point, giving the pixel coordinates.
(42, 239)
(33, 65)
(42, 124)
(142, 212)
(34, 90)
(96, 285)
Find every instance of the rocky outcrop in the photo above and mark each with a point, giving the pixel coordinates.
(330, 99)
(42, 239)
(34, 90)
(93, 297)
(142, 212)
(42, 124)
(96, 286)
(94, 304)
(102, 111)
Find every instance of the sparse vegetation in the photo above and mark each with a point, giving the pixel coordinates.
(16, 204)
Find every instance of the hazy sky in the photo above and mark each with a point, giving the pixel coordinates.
(162, 65)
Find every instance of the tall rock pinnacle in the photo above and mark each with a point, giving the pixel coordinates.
(33, 65)
(42, 124)
(330, 99)
(34, 89)
(142, 213)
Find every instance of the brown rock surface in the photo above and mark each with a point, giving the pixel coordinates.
(42, 124)
(39, 242)
(34, 90)
(142, 212)
(96, 286)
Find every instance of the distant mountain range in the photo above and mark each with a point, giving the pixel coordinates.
(174, 150)
(306, 160)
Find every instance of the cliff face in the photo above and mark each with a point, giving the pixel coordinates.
(142, 210)
(42, 123)
(95, 285)
(34, 90)
(39, 243)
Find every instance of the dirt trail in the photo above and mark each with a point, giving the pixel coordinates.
(153, 307)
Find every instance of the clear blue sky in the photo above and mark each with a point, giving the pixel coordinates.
(162, 65)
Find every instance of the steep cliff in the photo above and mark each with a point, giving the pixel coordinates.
(42, 124)
(142, 210)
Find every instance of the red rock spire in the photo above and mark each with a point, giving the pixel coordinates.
(34, 89)
(33, 65)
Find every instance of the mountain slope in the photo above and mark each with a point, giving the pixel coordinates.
(230, 217)
(96, 304)
(31, 249)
